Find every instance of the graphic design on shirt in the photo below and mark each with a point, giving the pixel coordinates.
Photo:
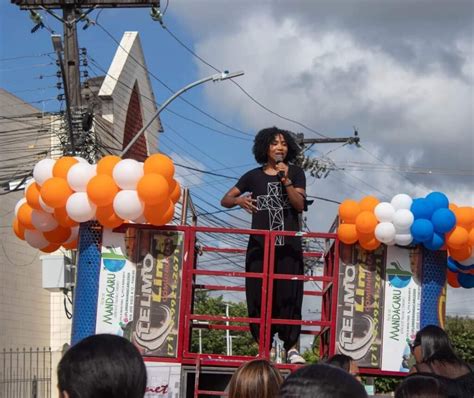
(274, 202)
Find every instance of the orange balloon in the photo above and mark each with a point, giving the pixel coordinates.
(452, 206)
(32, 196)
(102, 189)
(19, 229)
(370, 245)
(175, 191)
(464, 217)
(160, 164)
(461, 254)
(457, 238)
(58, 235)
(348, 211)
(366, 222)
(52, 247)
(452, 278)
(153, 189)
(160, 214)
(347, 233)
(61, 216)
(471, 237)
(62, 166)
(70, 246)
(366, 237)
(55, 192)
(106, 164)
(24, 216)
(107, 217)
(368, 203)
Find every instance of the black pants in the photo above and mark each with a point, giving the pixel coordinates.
(287, 295)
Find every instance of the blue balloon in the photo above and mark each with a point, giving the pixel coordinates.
(443, 220)
(436, 242)
(422, 208)
(453, 265)
(422, 230)
(438, 199)
(466, 280)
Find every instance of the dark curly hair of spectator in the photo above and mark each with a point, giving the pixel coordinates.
(263, 140)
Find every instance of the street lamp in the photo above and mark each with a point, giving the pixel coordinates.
(216, 78)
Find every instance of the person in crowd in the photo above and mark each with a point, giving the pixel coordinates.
(435, 357)
(102, 365)
(345, 362)
(274, 194)
(321, 381)
(257, 378)
(421, 386)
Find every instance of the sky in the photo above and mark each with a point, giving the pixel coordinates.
(400, 72)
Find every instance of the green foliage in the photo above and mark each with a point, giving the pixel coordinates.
(312, 355)
(214, 341)
(461, 334)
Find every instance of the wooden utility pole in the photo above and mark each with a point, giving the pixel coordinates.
(73, 12)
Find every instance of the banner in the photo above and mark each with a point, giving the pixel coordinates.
(115, 304)
(360, 304)
(402, 306)
(157, 292)
(163, 380)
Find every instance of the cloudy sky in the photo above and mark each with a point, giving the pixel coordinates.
(400, 72)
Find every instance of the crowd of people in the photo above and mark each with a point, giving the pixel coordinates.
(111, 366)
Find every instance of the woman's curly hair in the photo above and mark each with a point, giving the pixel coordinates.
(264, 138)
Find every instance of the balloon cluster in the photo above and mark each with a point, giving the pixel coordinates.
(68, 191)
(431, 221)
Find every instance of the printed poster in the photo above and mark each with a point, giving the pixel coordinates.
(163, 380)
(115, 302)
(157, 292)
(360, 304)
(402, 306)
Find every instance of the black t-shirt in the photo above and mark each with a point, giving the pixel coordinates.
(274, 210)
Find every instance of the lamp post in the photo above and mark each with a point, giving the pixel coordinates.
(216, 78)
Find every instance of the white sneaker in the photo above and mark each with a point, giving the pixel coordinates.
(294, 357)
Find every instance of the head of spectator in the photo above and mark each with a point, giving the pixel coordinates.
(432, 344)
(255, 379)
(421, 386)
(345, 362)
(102, 365)
(321, 381)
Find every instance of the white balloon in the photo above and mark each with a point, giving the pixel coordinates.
(384, 212)
(18, 205)
(81, 160)
(36, 239)
(140, 220)
(402, 220)
(79, 175)
(80, 208)
(44, 206)
(43, 170)
(403, 239)
(385, 232)
(401, 201)
(468, 261)
(43, 221)
(391, 243)
(127, 172)
(127, 205)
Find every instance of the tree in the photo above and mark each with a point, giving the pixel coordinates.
(213, 341)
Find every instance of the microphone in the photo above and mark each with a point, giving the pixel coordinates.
(279, 159)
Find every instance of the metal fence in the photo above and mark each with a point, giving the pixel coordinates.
(25, 373)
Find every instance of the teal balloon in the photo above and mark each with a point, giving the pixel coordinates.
(422, 208)
(443, 220)
(438, 199)
(422, 230)
(466, 280)
(453, 265)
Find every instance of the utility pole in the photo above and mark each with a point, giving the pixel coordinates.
(72, 13)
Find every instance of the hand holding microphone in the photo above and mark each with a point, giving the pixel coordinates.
(279, 160)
